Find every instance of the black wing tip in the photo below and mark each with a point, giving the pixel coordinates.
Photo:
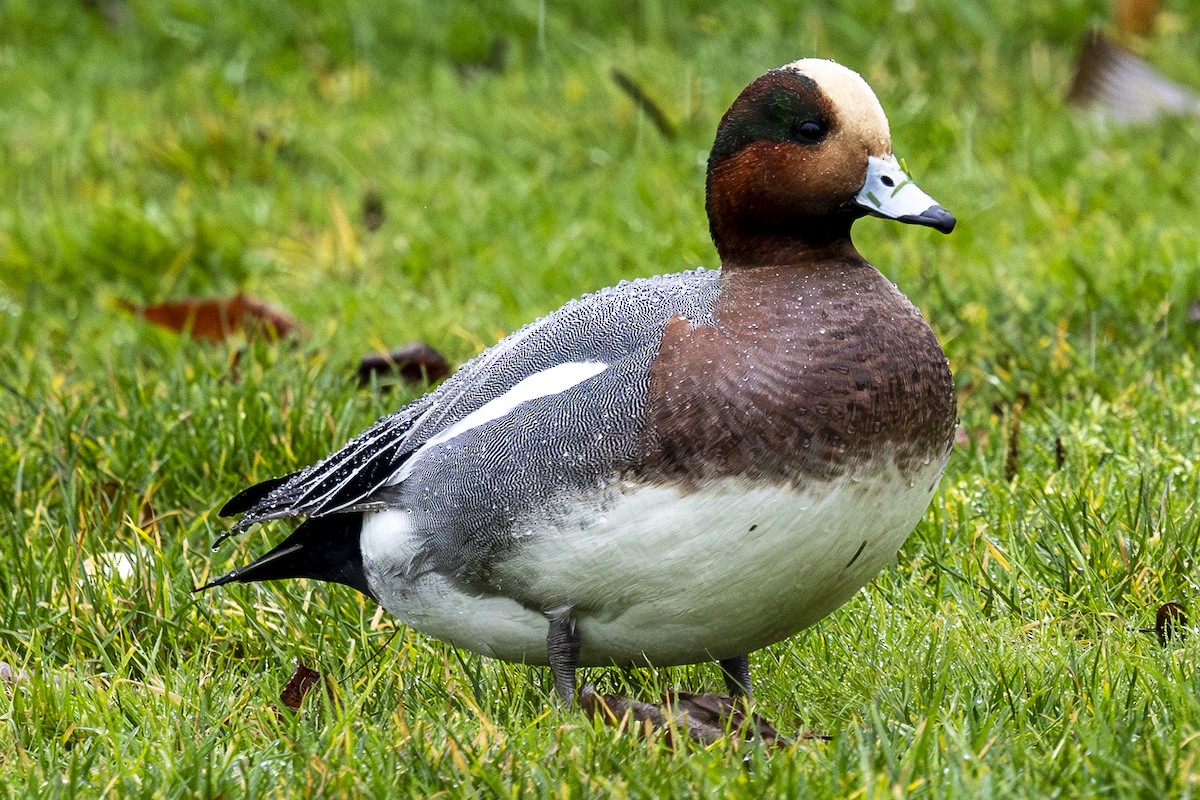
(251, 496)
(228, 577)
(239, 526)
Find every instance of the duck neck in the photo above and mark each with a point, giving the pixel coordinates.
(796, 278)
(789, 250)
(746, 236)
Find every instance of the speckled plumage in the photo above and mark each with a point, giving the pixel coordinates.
(675, 469)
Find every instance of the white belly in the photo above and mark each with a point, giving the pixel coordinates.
(666, 577)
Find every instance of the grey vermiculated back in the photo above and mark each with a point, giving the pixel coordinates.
(619, 326)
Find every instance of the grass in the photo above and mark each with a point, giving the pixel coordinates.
(180, 150)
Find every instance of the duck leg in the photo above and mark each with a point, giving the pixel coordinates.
(562, 648)
(737, 675)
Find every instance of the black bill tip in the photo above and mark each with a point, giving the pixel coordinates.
(934, 217)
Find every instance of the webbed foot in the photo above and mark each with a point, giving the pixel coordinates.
(705, 718)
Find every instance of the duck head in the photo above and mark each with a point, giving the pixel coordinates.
(803, 152)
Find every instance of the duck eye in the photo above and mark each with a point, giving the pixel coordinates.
(809, 131)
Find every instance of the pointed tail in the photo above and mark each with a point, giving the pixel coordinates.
(322, 548)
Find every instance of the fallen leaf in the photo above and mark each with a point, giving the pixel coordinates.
(302, 680)
(1169, 622)
(1135, 17)
(373, 214)
(218, 318)
(416, 362)
(147, 517)
(1012, 458)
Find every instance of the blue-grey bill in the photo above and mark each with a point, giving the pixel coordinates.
(887, 192)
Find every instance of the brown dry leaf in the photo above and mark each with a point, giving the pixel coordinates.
(147, 517)
(1012, 458)
(302, 680)
(1135, 17)
(1060, 453)
(415, 362)
(373, 214)
(1169, 622)
(218, 318)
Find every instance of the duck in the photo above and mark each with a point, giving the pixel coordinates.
(675, 470)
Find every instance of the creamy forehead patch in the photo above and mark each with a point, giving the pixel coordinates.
(856, 105)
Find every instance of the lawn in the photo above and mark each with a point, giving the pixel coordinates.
(152, 151)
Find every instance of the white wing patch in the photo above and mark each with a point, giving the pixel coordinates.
(555, 380)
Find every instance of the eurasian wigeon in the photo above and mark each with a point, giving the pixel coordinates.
(674, 470)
